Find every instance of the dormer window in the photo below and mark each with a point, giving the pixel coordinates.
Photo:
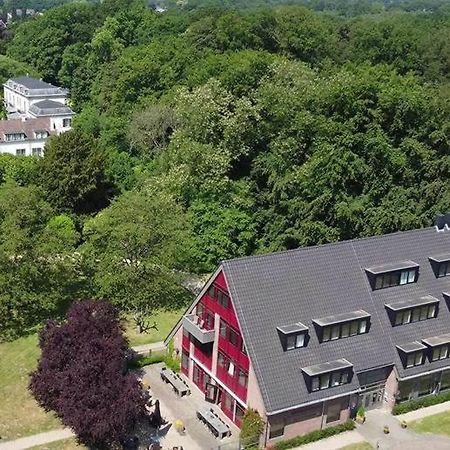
(343, 325)
(411, 354)
(9, 137)
(439, 346)
(440, 265)
(393, 274)
(293, 336)
(328, 375)
(415, 310)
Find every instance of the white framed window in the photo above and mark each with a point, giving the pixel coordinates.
(36, 151)
(20, 152)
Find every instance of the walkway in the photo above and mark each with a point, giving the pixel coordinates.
(334, 442)
(424, 412)
(145, 349)
(37, 439)
(398, 438)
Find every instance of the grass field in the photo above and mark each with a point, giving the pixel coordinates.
(19, 413)
(436, 424)
(165, 320)
(359, 446)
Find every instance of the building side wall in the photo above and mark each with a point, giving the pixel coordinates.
(205, 356)
(390, 390)
(12, 147)
(310, 418)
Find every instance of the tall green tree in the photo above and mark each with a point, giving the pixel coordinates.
(72, 173)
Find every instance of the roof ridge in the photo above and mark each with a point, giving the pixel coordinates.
(336, 243)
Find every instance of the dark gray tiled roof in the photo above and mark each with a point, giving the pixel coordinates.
(50, 108)
(33, 83)
(300, 285)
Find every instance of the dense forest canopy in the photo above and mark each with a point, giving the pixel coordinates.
(214, 133)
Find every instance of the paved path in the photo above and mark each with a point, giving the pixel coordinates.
(398, 438)
(424, 412)
(147, 348)
(37, 439)
(334, 442)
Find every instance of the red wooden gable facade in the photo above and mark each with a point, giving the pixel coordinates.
(224, 381)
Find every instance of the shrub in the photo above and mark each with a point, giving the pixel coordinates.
(251, 429)
(361, 412)
(413, 405)
(315, 436)
(172, 362)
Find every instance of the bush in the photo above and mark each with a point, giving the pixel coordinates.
(251, 429)
(172, 362)
(142, 361)
(413, 405)
(315, 436)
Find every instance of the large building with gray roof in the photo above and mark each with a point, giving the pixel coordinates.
(307, 336)
(32, 102)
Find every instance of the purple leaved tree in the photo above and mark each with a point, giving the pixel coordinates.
(81, 375)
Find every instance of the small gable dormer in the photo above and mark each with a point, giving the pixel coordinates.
(411, 354)
(440, 265)
(293, 336)
(393, 274)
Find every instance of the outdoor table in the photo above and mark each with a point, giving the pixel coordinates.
(179, 385)
(219, 428)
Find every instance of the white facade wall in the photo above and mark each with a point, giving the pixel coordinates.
(22, 102)
(57, 123)
(27, 145)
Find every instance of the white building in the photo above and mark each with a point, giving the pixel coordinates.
(24, 137)
(36, 110)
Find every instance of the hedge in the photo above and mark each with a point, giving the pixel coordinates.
(315, 436)
(412, 405)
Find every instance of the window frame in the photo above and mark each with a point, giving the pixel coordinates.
(415, 314)
(354, 328)
(395, 278)
(330, 380)
(293, 341)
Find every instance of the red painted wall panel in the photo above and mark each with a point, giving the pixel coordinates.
(203, 356)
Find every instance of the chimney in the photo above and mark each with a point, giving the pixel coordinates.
(442, 222)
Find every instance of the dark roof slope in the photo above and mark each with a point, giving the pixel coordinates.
(33, 83)
(311, 283)
(49, 108)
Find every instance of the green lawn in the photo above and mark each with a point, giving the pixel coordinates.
(165, 320)
(436, 424)
(19, 413)
(359, 446)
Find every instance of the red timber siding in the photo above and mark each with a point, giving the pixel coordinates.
(229, 344)
(232, 351)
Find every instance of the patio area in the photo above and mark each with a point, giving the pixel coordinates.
(173, 407)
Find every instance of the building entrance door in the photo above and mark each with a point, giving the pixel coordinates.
(372, 399)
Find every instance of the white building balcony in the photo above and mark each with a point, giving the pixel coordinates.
(195, 326)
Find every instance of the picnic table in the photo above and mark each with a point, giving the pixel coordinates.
(178, 384)
(218, 427)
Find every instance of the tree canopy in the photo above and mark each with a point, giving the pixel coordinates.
(104, 404)
(207, 133)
